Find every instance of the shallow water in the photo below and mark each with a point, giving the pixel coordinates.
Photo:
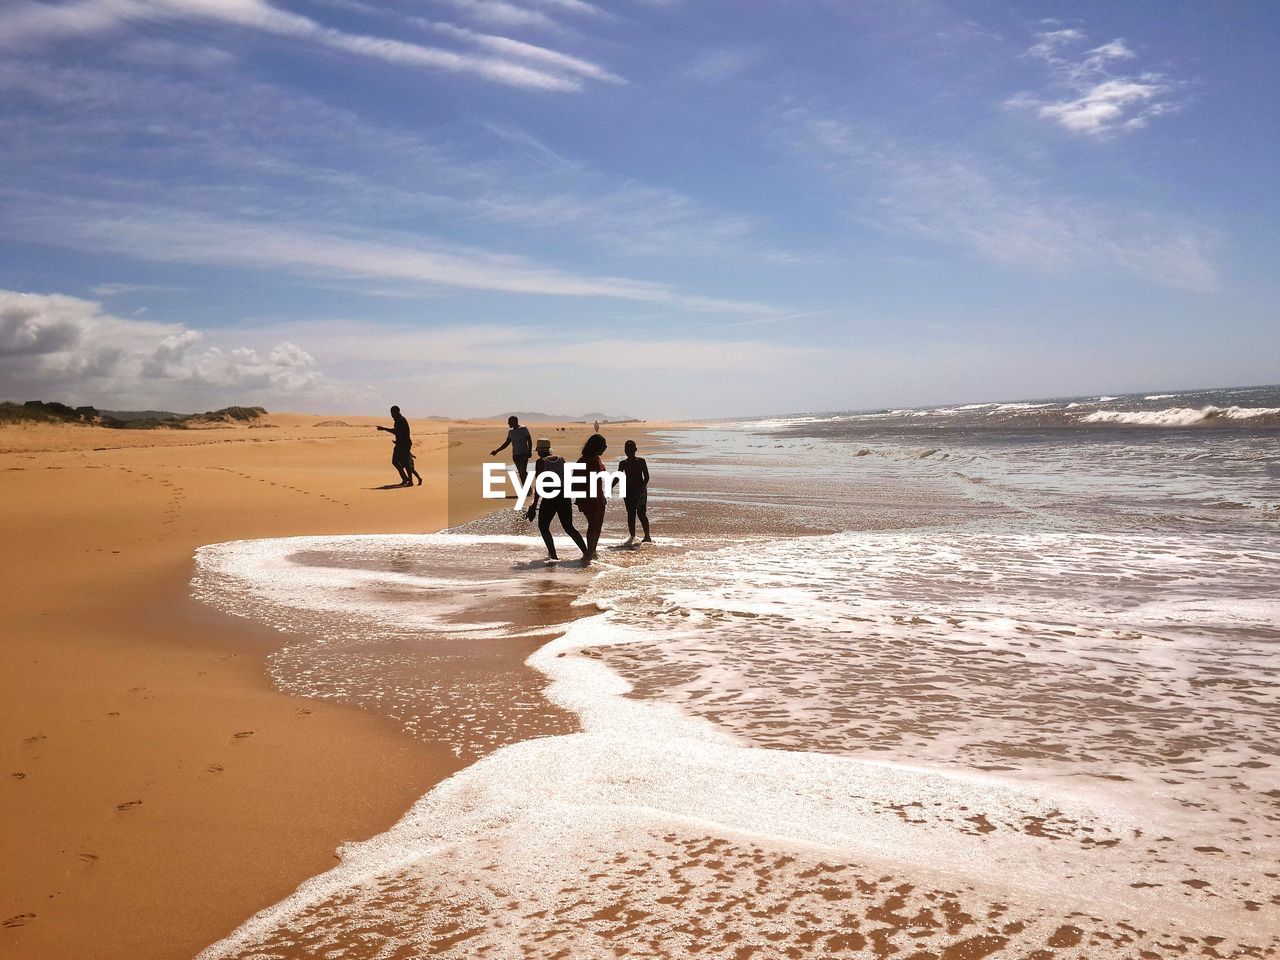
(961, 692)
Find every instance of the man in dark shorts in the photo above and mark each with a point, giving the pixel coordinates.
(521, 444)
(402, 451)
(549, 508)
(636, 471)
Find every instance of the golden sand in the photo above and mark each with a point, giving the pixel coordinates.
(156, 788)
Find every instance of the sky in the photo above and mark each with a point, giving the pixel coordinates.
(651, 208)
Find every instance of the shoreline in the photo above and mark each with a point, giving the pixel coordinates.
(662, 781)
(141, 824)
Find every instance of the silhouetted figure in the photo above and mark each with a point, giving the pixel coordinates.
(592, 505)
(548, 508)
(636, 499)
(402, 450)
(597, 427)
(521, 446)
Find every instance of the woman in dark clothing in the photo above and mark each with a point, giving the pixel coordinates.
(548, 508)
(592, 505)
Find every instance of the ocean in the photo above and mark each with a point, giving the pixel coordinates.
(993, 679)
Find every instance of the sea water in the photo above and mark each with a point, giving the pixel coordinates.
(985, 680)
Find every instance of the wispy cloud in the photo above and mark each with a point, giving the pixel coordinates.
(250, 144)
(633, 220)
(723, 64)
(503, 14)
(31, 24)
(123, 289)
(517, 49)
(170, 235)
(951, 197)
(1086, 94)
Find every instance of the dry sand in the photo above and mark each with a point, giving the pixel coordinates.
(155, 788)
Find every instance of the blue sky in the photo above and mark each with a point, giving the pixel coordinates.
(650, 207)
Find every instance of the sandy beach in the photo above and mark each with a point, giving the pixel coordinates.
(157, 787)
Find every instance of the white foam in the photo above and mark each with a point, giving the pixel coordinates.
(1178, 416)
(556, 800)
(423, 584)
(1008, 407)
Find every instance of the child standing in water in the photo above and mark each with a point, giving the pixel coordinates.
(636, 471)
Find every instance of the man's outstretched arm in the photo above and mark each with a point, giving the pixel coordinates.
(505, 443)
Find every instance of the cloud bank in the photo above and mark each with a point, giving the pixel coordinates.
(58, 347)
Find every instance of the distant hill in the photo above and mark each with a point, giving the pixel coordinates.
(128, 416)
(228, 415)
(50, 411)
(536, 415)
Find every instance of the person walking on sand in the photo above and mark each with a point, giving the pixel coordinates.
(592, 505)
(521, 444)
(548, 508)
(402, 449)
(636, 499)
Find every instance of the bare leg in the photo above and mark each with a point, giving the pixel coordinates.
(566, 521)
(595, 523)
(644, 523)
(545, 516)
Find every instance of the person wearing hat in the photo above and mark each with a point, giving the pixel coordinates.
(548, 508)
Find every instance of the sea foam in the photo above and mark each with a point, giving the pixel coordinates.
(1178, 416)
(580, 819)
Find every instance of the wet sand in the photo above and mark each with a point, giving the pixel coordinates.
(157, 788)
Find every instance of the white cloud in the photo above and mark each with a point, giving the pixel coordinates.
(167, 53)
(951, 197)
(57, 347)
(255, 145)
(28, 24)
(166, 235)
(503, 14)
(1085, 96)
(518, 49)
(60, 347)
(634, 220)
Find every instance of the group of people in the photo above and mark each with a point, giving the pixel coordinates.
(560, 506)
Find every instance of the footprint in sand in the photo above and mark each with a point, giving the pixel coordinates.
(243, 733)
(304, 711)
(214, 768)
(128, 805)
(19, 775)
(88, 857)
(36, 739)
(21, 920)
